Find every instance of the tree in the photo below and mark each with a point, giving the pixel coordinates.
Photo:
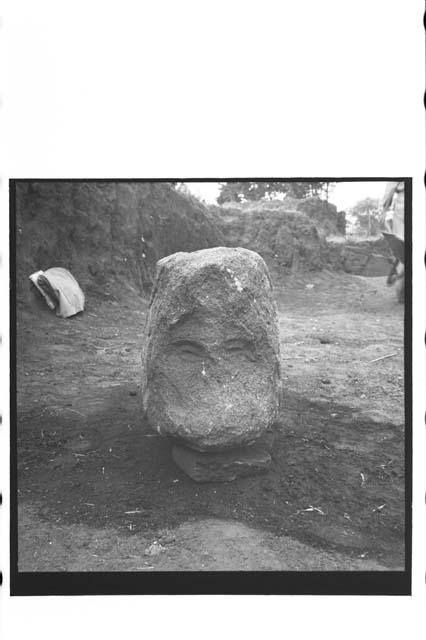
(181, 187)
(367, 215)
(243, 191)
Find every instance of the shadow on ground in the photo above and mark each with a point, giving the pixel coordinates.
(329, 486)
(86, 459)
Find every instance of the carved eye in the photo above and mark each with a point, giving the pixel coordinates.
(188, 350)
(241, 346)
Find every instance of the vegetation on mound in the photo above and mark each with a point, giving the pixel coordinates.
(283, 236)
(245, 191)
(109, 235)
(324, 214)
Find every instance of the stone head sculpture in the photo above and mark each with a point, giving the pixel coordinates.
(211, 368)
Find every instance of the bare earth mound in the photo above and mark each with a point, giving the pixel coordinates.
(285, 238)
(108, 234)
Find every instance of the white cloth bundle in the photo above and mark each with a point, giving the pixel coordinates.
(70, 298)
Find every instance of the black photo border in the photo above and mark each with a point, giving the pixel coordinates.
(214, 582)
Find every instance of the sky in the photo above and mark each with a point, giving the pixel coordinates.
(344, 195)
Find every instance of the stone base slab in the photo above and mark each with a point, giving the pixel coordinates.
(222, 466)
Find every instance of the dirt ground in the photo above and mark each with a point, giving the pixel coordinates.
(98, 491)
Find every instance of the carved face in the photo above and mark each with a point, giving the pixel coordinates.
(211, 362)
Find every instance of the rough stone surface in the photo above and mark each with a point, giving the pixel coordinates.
(211, 366)
(222, 466)
(377, 265)
(369, 257)
(355, 259)
(361, 261)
